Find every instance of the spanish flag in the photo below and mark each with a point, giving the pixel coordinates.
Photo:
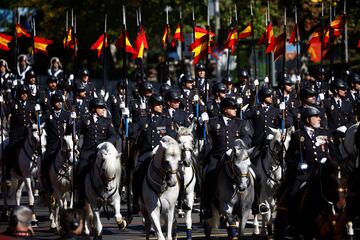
(40, 44)
(4, 40)
(120, 43)
(165, 36)
(200, 32)
(279, 48)
(201, 47)
(314, 51)
(270, 39)
(98, 45)
(246, 32)
(21, 32)
(68, 38)
(293, 39)
(140, 44)
(315, 37)
(178, 36)
(338, 23)
(231, 40)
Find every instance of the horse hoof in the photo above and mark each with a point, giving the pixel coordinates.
(265, 237)
(255, 236)
(128, 220)
(122, 224)
(152, 232)
(34, 223)
(54, 230)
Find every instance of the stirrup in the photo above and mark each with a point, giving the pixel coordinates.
(263, 208)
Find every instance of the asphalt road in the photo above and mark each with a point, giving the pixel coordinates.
(110, 231)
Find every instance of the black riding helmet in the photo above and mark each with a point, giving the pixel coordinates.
(265, 92)
(146, 87)
(97, 103)
(164, 88)
(338, 84)
(22, 89)
(354, 78)
(227, 80)
(218, 87)
(51, 79)
(155, 99)
(307, 92)
(56, 97)
(200, 67)
(79, 87)
(30, 74)
(309, 111)
(83, 72)
(172, 95)
(228, 103)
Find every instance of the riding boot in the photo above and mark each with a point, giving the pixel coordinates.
(81, 174)
(256, 206)
(208, 194)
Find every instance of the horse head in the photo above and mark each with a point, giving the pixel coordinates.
(238, 167)
(37, 136)
(167, 158)
(186, 140)
(108, 165)
(67, 149)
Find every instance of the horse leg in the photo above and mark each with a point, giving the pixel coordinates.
(19, 189)
(31, 200)
(350, 230)
(87, 218)
(256, 231)
(147, 224)
(97, 224)
(245, 213)
(170, 223)
(155, 219)
(190, 200)
(118, 217)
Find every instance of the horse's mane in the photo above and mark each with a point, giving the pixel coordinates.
(111, 163)
(183, 131)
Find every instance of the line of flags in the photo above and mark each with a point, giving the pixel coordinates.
(202, 44)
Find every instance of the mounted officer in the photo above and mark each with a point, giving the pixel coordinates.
(56, 71)
(80, 103)
(22, 67)
(353, 95)
(222, 130)
(96, 128)
(84, 78)
(219, 92)
(46, 94)
(339, 110)
(21, 113)
(57, 124)
(31, 82)
(245, 89)
(173, 111)
(147, 133)
(231, 90)
(139, 104)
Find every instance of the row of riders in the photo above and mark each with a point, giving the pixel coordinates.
(242, 137)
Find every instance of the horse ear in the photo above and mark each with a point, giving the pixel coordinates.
(274, 130)
(250, 151)
(290, 130)
(34, 125)
(229, 152)
(42, 125)
(163, 144)
(153, 152)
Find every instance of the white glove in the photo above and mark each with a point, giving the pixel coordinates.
(302, 166)
(71, 79)
(168, 82)
(142, 105)
(14, 83)
(282, 106)
(321, 96)
(266, 79)
(125, 112)
(270, 137)
(196, 98)
(37, 107)
(323, 160)
(1, 99)
(102, 92)
(204, 117)
(73, 115)
(239, 101)
(342, 129)
(122, 104)
(256, 82)
(298, 78)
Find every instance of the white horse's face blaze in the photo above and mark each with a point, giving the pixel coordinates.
(34, 137)
(108, 165)
(187, 146)
(68, 149)
(242, 163)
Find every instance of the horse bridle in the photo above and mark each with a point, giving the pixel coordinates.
(186, 149)
(234, 173)
(103, 178)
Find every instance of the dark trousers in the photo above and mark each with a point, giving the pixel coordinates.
(138, 178)
(84, 166)
(48, 160)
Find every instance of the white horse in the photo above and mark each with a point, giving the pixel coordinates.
(187, 171)
(270, 167)
(234, 193)
(160, 188)
(102, 188)
(61, 178)
(29, 162)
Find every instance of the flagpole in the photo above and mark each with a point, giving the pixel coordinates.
(167, 45)
(266, 44)
(284, 57)
(126, 121)
(34, 34)
(138, 18)
(331, 45)
(253, 40)
(182, 43)
(345, 37)
(297, 43)
(284, 75)
(16, 50)
(75, 42)
(322, 40)
(228, 53)
(104, 54)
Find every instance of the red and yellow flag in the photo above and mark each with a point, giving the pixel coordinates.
(68, 38)
(178, 36)
(124, 44)
(293, 39)
(99, 44)
(279, 48)
(314, 51)
(338, 23)
(315, 37)
(262, 39)
(246, 32)
(201, 47)
(40, 44)
(200, 32)
(21, 32)
(4, 40)
(165, 36)
(270, 39)
(231, 40)
(358, 44)
(140, 44)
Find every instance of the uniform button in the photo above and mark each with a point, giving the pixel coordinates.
(315, 153)
(316, 159)
(314, 147)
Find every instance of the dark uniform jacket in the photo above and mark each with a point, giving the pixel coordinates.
(114, 107)
(45, 97)
(313, 150)
(178, 116)
(81, 107)
(338, 116)
(222, 137)
(149, 130)
(20, 119)
(56, 127)
(262, 120)
(35, 91)
(136, 110)
(213, 108)
(187, 102)
(246, 92)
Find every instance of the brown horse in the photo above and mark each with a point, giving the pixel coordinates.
(318, 209)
